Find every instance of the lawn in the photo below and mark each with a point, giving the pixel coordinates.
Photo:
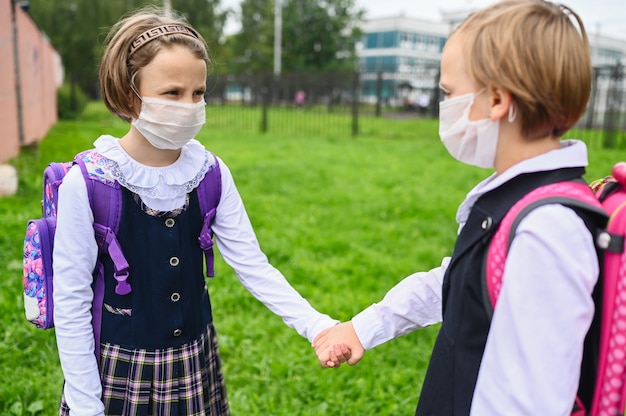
(343, 218)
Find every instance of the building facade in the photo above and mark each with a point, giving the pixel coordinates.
(399, 57)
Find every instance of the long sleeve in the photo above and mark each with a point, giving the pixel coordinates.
(240, 249)
(74, 258)
(414, 303)
(531, 363)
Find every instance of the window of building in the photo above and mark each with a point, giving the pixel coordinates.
(390, 39)
(371, 40)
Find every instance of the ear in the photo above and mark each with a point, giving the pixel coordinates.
(134, 104)
(501, 100)
(132, 99)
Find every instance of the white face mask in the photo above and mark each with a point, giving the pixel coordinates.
(470, 142)
(169, 124)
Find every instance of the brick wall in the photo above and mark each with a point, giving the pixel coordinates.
(30, 72)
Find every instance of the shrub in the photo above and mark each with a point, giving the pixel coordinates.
(71, 101)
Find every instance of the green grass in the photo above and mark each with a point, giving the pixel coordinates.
(343, 218)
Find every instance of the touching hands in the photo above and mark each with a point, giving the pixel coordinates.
(338, 344)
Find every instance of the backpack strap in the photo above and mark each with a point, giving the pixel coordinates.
(105, 200)
(578, 196)
(209, 193)
(52, 177)
(573, 194)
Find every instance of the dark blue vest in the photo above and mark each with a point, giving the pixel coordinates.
(169, 303)
(453, 369)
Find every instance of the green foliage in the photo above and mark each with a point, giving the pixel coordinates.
(316, 35)
(205, 17)
(322, 35)
(71, 101)
(343, 218)
(252, 47)
(77, 29)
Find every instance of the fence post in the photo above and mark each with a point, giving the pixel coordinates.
(265, 101)
(379, 92)
(613, 107)
(436, 98)
(591, 108)
(355, 103)
(331, 92)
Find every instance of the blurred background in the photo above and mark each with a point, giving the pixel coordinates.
(346, 58)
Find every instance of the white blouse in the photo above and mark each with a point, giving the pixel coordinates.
(531, 362)
(160, 188)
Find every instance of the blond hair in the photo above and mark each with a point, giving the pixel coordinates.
(122, 61)
(532, 49)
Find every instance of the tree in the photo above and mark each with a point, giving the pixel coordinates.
(252, 48)
(321, 35)
(317, 35)
(207, 18)
(77, 29)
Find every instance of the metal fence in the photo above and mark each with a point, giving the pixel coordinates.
(606, 107)
(326, 100)
(336, 101)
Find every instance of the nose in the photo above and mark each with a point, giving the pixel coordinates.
(189, 98)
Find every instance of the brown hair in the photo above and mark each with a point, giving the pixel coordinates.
(532, 49)
(120, 68)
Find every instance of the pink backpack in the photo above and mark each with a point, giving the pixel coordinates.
(606, 197)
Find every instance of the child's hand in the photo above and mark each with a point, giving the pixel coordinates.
(330, 355)
(337, 354)
(337, 345)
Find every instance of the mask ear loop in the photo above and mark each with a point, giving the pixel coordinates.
(132, 87)
(512, 112)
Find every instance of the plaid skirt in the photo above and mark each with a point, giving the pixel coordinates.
(185, 380)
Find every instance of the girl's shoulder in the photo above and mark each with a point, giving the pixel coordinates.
(97, 166)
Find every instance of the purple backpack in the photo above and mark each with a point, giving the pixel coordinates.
(105, 199)
(605, 346)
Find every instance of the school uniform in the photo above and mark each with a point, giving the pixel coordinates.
(526, 359)
(159, 351)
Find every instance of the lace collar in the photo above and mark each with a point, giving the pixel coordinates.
(162, 188)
